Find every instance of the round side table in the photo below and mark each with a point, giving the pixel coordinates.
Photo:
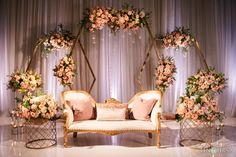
(40, 133)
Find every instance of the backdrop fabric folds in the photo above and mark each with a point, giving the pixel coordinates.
(117, 58)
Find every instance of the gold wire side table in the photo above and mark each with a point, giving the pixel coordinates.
(40, 133)
(197, 136)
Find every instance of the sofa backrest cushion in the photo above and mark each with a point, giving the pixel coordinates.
(146, 95)
(76, 95)
(83, 109)
(81, 102)
(142, 108)
(111, 111)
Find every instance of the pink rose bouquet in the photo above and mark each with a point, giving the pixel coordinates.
(65, 71)
(127, 18)
(96, 18)
(198, 108)
(164, 75)
(179, 38)
(24, 82)
(199, 104)
(57, 39)
(37, 107)
(206, 82)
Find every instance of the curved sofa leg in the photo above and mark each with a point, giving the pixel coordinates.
(150, 135)
(158, 140)
(65, 138)
(158, 133)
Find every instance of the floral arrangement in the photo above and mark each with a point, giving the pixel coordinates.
(127, 18)
(198, 108)
(199, 104)
(57, 39)
(24, 82)
(179, 38)
(96, 18)
(37, 107)
(65, 70)
(164, 73)
(206, 81)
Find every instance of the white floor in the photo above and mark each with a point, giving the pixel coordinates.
(131, 144)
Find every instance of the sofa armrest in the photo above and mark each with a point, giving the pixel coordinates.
(69, 116)
(155, 115)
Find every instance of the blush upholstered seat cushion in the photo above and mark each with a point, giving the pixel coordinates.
(94, 125)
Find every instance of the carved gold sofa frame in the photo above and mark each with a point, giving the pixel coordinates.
(92, 125)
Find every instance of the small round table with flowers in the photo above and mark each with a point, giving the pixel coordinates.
(40, 133)
(40, 113)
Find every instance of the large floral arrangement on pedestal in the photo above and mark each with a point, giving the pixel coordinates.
(126, 18)
(65, 71)
(179, 38)
(199, 108)
(199, 103)
(57, 39)
(32, 107)
(23, 82)
(206, 81)
(164, 74)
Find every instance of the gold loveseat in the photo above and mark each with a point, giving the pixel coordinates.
(112, 127)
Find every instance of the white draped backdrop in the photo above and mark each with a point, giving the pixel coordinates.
(116, 59)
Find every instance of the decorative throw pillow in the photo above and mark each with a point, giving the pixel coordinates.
(111, 111)
(83, 109)
(142, 108)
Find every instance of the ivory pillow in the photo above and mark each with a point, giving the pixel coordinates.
(111, 111)
(142, 108)
(83, 109)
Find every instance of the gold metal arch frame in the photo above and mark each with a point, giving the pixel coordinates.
(41, 40)
(154, 43)
(150, 46)
(85, 56)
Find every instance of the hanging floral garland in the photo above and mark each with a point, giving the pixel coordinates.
(164, 74)
(57, 39)
(179, 38)
(65, 71)
(126, 18)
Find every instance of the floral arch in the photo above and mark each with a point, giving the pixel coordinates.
(127, 18)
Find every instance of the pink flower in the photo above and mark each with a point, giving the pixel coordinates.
(194, 116)
(142, 14)
(187, 115)
(200, 112)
